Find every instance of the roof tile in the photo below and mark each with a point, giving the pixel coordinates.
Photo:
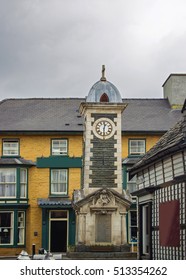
(53, 115)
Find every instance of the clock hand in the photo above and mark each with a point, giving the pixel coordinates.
(104, 127)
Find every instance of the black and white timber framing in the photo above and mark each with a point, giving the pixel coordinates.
(161, 196)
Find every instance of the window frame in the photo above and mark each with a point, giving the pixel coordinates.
(136, 153)
(54, 193)
(8, 183)
(14, 235)
(17, 183)
(21, 227)
(23, 183)
(11, 141)
(60, 153)
(132, 226)
(11, 227)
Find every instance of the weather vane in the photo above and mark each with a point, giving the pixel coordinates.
(103, 78)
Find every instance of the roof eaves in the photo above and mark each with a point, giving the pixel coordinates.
(45, 203)
(144, 191)
(146, 132)
(16, 161)
(154, 158)
(40, 132)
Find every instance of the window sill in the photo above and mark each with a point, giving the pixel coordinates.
(11, 246)
(13, 156)
(62, 155)
(59, 196)
(135, 155)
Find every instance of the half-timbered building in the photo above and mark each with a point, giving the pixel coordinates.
(161, 196)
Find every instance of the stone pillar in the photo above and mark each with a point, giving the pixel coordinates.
(84, 228)
(81, 228)
(77, 227)
(123, 228)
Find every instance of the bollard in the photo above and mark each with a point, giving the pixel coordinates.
(33, 249)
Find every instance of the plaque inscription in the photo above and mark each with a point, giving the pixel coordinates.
(103, 228)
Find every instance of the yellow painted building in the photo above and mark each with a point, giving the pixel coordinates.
(41, 163)
(33, 147)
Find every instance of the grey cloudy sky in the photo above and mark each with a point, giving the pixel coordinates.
(55, 48)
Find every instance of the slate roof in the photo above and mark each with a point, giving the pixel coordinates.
(16, 161)
(40, 115)
(62, 115)
(148, 115)
(58, 203)
(130, 160)
(172, 141)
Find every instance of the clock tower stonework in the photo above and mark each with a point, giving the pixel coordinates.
(101, 204)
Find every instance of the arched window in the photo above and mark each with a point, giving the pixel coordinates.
(104, 98)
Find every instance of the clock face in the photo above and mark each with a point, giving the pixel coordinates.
(104, 128)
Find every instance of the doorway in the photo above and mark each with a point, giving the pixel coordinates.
(58, 231)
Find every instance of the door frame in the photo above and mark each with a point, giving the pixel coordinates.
(58, 219)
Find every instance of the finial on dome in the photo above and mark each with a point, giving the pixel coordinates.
(103, 78)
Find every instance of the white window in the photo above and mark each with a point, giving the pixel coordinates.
(6, 228)
(7, 182)
(23, 182)
(10, 147)
(21, 227)
(59, 147)
(136, 147)
(59, 181)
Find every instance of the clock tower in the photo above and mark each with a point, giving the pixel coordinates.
(101, 205)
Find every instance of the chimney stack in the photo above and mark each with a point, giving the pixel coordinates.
(174, 88)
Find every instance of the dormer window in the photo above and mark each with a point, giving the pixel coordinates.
(10, 147)
(59, 147)
(104, 98)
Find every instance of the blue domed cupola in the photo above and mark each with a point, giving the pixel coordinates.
(104, 91)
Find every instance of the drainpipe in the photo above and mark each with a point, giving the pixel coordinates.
(184, 122)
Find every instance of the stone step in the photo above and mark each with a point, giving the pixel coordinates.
(101, 255)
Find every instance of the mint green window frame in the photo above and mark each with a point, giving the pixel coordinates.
(59, 147)
(13, 183)
(8, 182)
(6, 227)
(59, 181)
(12, 228)
(10, 148)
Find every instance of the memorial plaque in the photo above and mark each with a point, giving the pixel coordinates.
(103, 228)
